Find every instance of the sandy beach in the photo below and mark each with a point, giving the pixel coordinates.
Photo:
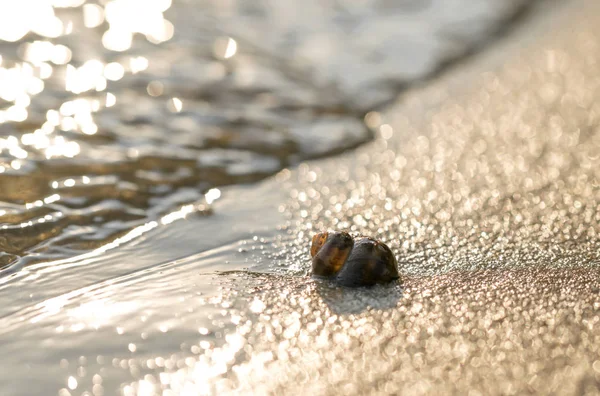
(485, 184)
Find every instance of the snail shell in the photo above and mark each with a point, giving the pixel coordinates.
(361, 262)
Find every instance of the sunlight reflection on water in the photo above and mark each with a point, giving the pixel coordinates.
(42, 59)
(92, 90)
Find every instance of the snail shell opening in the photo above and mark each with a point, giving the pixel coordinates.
(330, 250)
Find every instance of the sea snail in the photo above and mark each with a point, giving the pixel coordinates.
(361, 262)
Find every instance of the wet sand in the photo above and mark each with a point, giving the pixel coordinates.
(485, 185)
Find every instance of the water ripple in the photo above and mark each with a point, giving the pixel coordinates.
(115, 113)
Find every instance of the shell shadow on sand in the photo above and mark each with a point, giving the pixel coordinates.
(345, 300)
(338, 299)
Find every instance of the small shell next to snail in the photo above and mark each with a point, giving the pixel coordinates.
(349, 262)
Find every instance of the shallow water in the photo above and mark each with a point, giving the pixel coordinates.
(484, 185)
(114, 114)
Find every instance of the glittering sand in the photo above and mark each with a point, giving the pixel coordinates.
(485, 185)
(489, 196)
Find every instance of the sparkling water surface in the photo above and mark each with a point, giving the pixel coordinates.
(114, 114)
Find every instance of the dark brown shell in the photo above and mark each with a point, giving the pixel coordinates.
(371, 262)
(349, 262)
